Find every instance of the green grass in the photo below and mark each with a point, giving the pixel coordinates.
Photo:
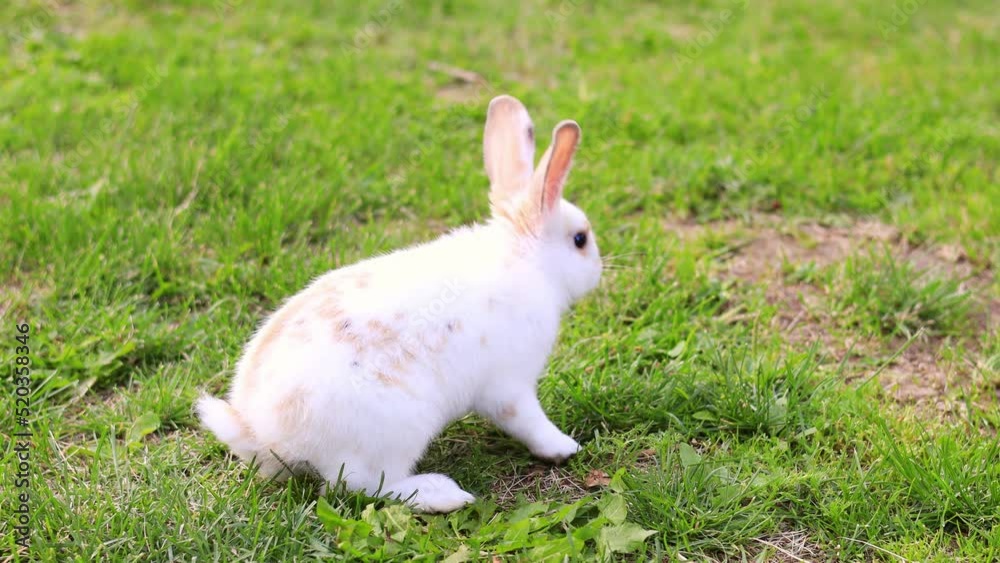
(877, 294)
(171, 171)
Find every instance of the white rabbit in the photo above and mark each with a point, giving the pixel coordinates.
(355, 375)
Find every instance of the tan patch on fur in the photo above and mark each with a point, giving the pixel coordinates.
(482, 341)
(386, 379)
(290, 411)
(441, 343)
(382, 335)
(408, 354)
(244, 427)
(435, 346)
(397, 364)
(522, 215)
(273, 328)
(402, 359)
(343, 332)
(267, 337)
(299, 330)
(363, 279)
(330, 309)
(507, 412)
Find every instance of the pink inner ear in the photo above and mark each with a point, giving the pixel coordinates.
(564, 145)
(508, 147)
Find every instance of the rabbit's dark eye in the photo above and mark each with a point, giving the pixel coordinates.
(580, 239)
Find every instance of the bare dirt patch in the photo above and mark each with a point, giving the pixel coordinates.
(766, 242)
(760, 249)
(914, 377)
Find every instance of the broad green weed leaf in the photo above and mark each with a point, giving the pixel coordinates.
(613, 508)
(528, 511)
(398, 520)
(617, 483)
(346, 529)
(688, 455)
(568, 513)
(461, 555)
(555, 549)
(517, 535)
(705, 416)
(624, 538)
(146, 424)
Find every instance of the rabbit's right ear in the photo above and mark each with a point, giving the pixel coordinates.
(508, 148)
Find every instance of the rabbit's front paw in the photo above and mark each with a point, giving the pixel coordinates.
(556, 448)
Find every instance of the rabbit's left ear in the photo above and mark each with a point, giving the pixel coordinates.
(553, 168)
(508, 148)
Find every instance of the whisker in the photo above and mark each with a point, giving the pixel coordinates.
(616, 260)
(627, 257)
(624, 255)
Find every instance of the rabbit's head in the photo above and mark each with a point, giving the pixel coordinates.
(529, 201)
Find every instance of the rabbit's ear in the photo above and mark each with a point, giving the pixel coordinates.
(508, 148)
(554, 166)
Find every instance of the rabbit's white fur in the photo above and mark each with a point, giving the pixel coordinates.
(355, 375)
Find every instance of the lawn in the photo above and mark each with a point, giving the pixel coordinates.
(793, 354)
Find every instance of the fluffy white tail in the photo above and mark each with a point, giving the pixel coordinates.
(223, 420)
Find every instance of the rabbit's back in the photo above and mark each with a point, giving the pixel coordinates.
(416, 325)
